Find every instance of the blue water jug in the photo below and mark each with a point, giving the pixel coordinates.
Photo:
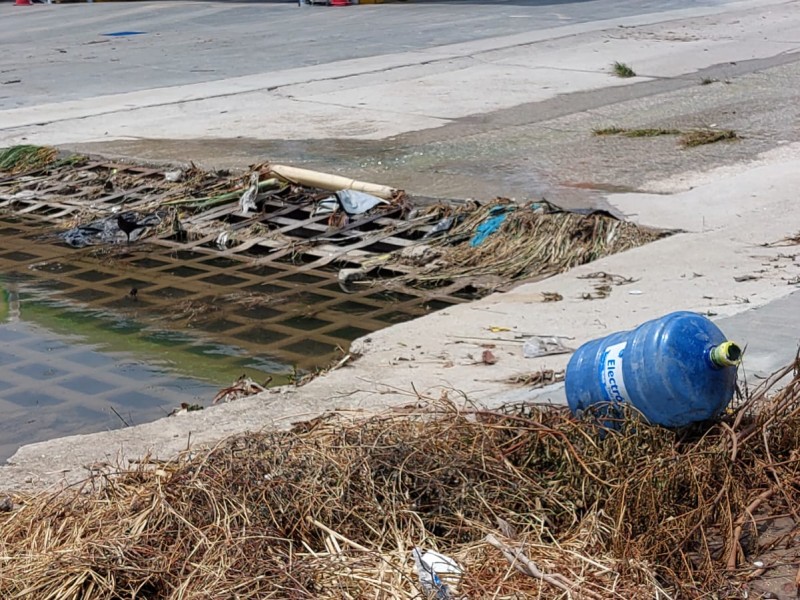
(675, 370)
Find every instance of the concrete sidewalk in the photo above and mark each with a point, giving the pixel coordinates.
(379, 96)
(728, 224)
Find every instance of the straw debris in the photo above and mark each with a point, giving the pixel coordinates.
(634, 133)
(701, 137)
(333, 508)
(689, 138)
(534, 241)
(24, 158)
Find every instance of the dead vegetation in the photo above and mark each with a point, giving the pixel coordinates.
(790, 240)
(397, 245)
(194, 311)
(689, 138)
(533, 241)
(701, 137)
(633, 133)
(333, 508)
(18, 159)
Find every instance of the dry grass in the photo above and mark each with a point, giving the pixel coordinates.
(689, 138)
(701, 137)
(789, 240)
(634, 133)
(333, 508)
(195, 311)
(613, 130)
(533, 242)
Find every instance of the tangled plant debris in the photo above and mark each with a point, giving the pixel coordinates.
(700, 137)
(531, 241)
(371, 234)
(18, 159)
(528, 501)
(689, 138)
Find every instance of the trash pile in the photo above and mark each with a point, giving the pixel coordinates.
(373, 235)
(129, 226)
(519, 502)
(503, 241)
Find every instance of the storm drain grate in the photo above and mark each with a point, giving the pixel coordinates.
(297, 313)
(283, 277)
(277, 286)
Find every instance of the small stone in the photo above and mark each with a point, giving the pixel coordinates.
(488, 358)
(6, 504)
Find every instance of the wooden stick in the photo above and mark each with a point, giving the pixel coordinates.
(526, 566)
(338, 536)
(737, 531)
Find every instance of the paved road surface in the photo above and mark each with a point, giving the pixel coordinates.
(62, 52)
(440, 98)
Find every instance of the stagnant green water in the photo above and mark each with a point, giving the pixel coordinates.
(67, 369)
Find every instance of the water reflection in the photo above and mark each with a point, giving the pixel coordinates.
(66, 370)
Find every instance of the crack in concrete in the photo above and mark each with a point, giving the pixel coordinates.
(365, 108)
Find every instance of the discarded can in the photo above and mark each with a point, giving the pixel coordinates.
(676, 370)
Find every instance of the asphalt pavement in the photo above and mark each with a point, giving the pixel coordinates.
(68, 51)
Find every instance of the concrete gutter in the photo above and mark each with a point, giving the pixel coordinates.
(727, 224)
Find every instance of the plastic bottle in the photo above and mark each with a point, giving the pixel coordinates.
(676, 370)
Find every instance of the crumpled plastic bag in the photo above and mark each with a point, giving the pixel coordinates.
(438, 574)
(106, 230)
(496, 218)
(544, 346)
(356, 203)
(351, 202)
(442, 227)
(248, 200)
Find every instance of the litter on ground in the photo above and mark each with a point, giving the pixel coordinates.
(377, 236)
(518, 502)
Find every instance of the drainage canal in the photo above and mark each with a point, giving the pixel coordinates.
(99, 333)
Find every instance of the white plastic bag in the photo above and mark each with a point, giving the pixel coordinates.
(438, 574)
(543, 346)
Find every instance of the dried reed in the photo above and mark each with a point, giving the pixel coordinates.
(531, 243)
(532, 503)
(25, 158)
